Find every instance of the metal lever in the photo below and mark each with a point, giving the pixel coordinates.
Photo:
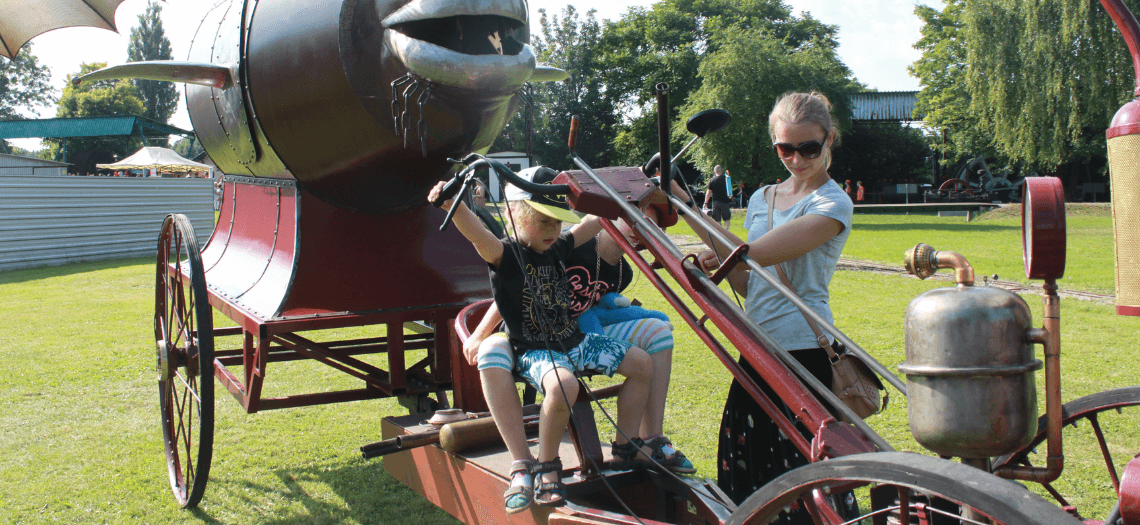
(455, 205)
(450, 189)
(729, 263)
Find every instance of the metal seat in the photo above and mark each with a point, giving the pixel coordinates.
(466, 322)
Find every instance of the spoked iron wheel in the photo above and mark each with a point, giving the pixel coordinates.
(905, 488)
(1100, 435)
(183, 329)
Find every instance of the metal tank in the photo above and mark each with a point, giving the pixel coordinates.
(332, 121)
(969, 364)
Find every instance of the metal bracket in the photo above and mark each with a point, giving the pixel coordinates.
(729, 263)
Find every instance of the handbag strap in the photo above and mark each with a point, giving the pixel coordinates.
(820, 338)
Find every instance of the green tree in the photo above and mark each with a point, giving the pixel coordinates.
(23, 84)
(1042, 80)
(149, 42)
(945, 95)
(746, 75)
(97, 99)
(669, 43)
(188, 147)
(571, 44)
(876, 152)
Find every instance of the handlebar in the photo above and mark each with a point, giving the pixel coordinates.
(463, 180)
(451, 189)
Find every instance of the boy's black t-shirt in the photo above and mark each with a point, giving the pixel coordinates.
(536, 314)
(591, 278)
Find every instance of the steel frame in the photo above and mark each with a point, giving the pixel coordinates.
(281, 341)
(785, 375)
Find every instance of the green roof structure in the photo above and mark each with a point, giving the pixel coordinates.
(86, 127)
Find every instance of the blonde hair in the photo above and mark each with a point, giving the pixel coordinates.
(519, 212)
(805, 108)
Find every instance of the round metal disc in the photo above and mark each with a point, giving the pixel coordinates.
(708, 121)
(1043, 228)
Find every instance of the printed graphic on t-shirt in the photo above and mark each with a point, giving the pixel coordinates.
(585, 291)
(546, 304)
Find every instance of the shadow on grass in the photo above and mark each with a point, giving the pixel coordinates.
(47, 272)
(364, 493)
(966, 227)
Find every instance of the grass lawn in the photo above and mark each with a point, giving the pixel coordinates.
(79, 413)
(991, 242)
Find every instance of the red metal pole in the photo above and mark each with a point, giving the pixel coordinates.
(1130, 30)
(718, 350)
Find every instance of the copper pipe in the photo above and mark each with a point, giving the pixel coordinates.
(1050, 336)
(923, 260)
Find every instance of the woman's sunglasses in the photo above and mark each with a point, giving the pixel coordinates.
(808, 150)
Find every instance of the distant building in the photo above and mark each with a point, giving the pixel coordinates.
(20, 165)
(514, 160)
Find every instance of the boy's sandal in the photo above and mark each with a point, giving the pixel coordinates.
(518, 497)
(666, 455)
(625, 455)
(549, 493)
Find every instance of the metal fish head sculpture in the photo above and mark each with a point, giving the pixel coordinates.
(361, 101)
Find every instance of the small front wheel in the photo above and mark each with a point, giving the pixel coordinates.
(183, 329)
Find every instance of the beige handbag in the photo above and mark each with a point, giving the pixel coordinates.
(852, 380)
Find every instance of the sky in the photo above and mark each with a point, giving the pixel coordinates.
(876, 39)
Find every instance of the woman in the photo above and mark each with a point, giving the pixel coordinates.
(810, 225)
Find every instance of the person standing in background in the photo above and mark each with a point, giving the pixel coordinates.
(479, 194)
(718, 195)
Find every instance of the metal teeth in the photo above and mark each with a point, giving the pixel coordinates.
(527, 99)
(421, 125)
(396, 84)
(408, 93)
(401, 104)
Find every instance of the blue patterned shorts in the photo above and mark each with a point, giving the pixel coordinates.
(595, 353)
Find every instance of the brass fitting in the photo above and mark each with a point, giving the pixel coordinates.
(923, 260)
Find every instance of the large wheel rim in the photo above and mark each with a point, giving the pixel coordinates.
(1088, 437)
(979, 494)
(183, 327)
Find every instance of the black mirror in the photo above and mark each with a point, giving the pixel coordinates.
(701, 124)
(708, 121)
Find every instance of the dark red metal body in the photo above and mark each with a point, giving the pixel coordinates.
(357, 269)
(1130, 492)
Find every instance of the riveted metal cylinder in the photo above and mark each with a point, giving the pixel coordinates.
(970, 371)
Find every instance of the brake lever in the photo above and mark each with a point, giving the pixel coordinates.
(451, 189)
(455, 205)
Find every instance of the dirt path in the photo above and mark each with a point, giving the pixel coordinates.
(690, 243)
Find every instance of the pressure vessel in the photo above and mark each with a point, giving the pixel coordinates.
(970, 371)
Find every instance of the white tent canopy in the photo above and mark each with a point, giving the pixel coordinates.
(161, 160)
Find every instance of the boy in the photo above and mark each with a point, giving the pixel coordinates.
(545, 345)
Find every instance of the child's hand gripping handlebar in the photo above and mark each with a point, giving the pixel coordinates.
(463, 180)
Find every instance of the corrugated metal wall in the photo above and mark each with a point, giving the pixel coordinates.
(58, 220)
(38, 171)
(21, 165)
(885, 105)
